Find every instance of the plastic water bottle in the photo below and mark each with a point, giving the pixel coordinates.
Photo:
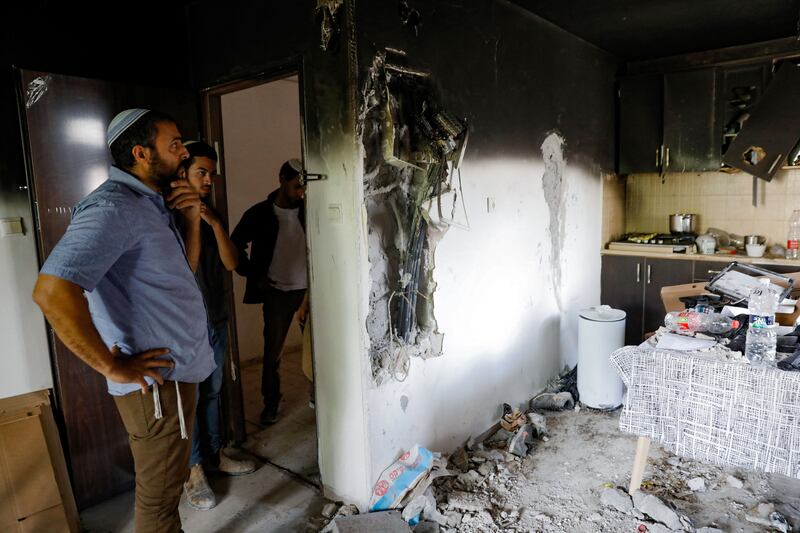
(691, 321)
(793, 240)
(761, 335)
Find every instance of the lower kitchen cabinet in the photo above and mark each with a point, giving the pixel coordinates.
(661, 273)
(633, 284)
(621, 286)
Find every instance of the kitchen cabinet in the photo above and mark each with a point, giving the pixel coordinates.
(633, 284)
(670, 122)
(622, 283)
(742, 89)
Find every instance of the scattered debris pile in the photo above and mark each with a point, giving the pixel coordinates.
(560, 468)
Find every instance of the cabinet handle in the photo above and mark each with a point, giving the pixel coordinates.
(714, 271)
(648, 274)
(666, 165)
(638, 272)
(658, 153)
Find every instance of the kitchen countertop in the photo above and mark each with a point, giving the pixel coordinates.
(704, 257)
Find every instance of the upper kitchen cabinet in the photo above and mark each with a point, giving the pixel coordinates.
(670, 122)
(772, 130)
(692, 125)
(742, 88)
(641, 119)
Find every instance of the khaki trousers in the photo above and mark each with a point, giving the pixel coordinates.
(160, 455)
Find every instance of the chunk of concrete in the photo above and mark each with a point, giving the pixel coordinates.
(521, 442)
(734, 482)
(697, 484)
(553, 402)
(385, 521)
(708, 529)
(469, 481)
(617, 499)
(426, 526)
(539, 423)
(467, 501)
(329, 510)
(657, 510)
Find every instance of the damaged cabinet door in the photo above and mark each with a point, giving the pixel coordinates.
(773, 128)
(621, 286)
(692, 121)
(659, 273)
(640, 123)
(670, 122)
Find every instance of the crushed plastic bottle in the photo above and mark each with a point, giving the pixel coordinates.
(762, 339)
(691, 321)
(793, 239)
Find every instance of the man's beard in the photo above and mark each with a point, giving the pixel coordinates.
(162, 175)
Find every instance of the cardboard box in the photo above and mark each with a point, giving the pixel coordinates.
(671, 295)
(35, 493)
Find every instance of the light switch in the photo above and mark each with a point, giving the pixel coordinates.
(335, 213)
(10, 226)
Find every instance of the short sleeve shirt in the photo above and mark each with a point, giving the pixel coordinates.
(123, 249)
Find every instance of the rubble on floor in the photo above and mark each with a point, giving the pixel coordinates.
(565, 470)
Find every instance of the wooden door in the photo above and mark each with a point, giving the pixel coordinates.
(621, 287)
(660, 273)
(64, 123)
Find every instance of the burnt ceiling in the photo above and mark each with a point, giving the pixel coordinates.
(646, 29)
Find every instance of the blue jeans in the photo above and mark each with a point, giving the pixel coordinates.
(206, 438)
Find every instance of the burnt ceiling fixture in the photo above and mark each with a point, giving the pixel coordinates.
(637, 29)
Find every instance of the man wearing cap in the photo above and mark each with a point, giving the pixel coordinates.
(119, 292)
(276, 271)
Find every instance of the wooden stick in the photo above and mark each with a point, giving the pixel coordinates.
(639, 462)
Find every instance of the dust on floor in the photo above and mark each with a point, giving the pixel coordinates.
(559, 487)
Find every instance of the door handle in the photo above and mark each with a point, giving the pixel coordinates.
(305, 177)
(638, 272)
(649, 272)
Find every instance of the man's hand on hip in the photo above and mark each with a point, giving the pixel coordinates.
(134, 368)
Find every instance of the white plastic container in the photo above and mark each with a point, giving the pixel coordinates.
(601, 330)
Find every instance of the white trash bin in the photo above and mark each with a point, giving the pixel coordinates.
(601, 330)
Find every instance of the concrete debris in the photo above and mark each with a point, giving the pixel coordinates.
(500, 436)
(384, 521)
(657, 510)
(329, 510)
(522, 441)
(617, 499)
(539, 423)
(486, 468)
(734, 482)
(426, 526)
(469, 481)
(553, 402)
(697, 484)
(453, 518)
(468, 501)
(489, 455)
(766, 515)
(708, 530)
(657, 528)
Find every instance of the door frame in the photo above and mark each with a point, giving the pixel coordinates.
(211, 127)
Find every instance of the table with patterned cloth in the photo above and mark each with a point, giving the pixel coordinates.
(710, 406)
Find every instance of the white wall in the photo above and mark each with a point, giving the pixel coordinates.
(25, 356)
(496, 306)
(261, 129)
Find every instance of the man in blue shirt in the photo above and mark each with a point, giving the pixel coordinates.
(120, 294)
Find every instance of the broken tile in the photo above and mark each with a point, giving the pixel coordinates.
(385, 521)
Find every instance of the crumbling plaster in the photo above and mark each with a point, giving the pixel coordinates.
(540, 107)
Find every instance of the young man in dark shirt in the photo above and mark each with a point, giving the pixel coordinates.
(209, 250)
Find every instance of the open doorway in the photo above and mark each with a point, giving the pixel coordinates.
(260, 124)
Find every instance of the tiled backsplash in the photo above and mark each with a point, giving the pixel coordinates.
(721, 200)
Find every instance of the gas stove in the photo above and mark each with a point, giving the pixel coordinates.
(668, 243)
